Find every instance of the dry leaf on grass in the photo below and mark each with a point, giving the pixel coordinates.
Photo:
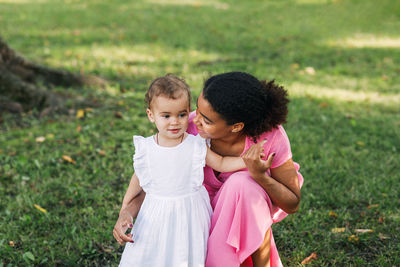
(364, 231)
(68, 159)
(312, 256)
(80, 113)
(338, 230)
(353, 238)
(333, 214)
(40, 208)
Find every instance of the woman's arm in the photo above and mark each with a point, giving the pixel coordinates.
(282, 186)
(223, 164)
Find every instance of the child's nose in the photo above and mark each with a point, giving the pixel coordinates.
(175, 120)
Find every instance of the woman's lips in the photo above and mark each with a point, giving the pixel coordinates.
(199, 131)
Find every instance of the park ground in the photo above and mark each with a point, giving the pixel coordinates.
(63, 176)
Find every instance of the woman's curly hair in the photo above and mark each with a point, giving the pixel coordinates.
(240, 97)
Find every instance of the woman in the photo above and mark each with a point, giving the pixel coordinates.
(234, 111)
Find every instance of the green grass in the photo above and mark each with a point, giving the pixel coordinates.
(344, 122)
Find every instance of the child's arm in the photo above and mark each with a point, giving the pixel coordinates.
(223, 164)
(133, 190)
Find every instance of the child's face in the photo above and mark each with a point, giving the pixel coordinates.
(170, 115)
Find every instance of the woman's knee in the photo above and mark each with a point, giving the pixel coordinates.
(242, 182)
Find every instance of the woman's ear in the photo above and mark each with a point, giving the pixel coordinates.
(237, 127)
(150, 115)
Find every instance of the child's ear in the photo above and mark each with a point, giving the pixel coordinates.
(150, 115)
(237, 127)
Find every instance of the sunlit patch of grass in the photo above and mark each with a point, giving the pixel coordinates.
(343, 117)
(367, 40)
(343, 95)
(22, 1)
(194, 3)
(131, 61)
(313, 2)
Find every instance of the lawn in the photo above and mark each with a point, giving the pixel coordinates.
(338, 59)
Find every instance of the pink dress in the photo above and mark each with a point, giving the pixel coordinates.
(243, 212)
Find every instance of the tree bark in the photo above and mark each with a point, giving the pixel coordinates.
(19, 79)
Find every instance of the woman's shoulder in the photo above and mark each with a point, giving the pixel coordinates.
(274, 134)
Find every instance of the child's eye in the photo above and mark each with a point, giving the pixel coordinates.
(166, 116)
(182, 115)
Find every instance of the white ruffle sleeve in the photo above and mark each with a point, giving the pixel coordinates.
(140, 160)
(199, 159)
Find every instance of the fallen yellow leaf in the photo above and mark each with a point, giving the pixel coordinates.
(361, 143)
(80, 113)
(353, 238)
(68, 159)
(11, 243)
(333, 214)
(338, 230)
(310, 258)
(40, 208)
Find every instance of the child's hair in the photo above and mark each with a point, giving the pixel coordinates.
(168, 86)
(240, 97)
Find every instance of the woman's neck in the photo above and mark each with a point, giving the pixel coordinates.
(232, 145)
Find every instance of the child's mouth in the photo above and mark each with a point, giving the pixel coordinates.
(174, 130)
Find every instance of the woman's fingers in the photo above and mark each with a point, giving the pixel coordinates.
(269, 160)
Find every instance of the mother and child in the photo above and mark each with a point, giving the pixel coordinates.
(209, 184)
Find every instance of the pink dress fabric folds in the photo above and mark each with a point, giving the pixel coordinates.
(243, 212)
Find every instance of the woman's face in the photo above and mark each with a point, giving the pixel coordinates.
(209, 123)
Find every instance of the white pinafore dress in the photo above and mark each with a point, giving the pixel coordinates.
(172, 226)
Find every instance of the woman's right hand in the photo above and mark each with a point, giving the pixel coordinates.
(254, 160)
(124, 222)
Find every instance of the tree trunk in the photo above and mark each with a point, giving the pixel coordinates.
(19, 77)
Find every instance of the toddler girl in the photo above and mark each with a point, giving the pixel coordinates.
(173, 223)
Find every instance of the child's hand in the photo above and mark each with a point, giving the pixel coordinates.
(254, 160)
(123, 223)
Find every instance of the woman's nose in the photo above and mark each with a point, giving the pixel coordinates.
(196, 118)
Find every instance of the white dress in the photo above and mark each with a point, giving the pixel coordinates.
(173, 224)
